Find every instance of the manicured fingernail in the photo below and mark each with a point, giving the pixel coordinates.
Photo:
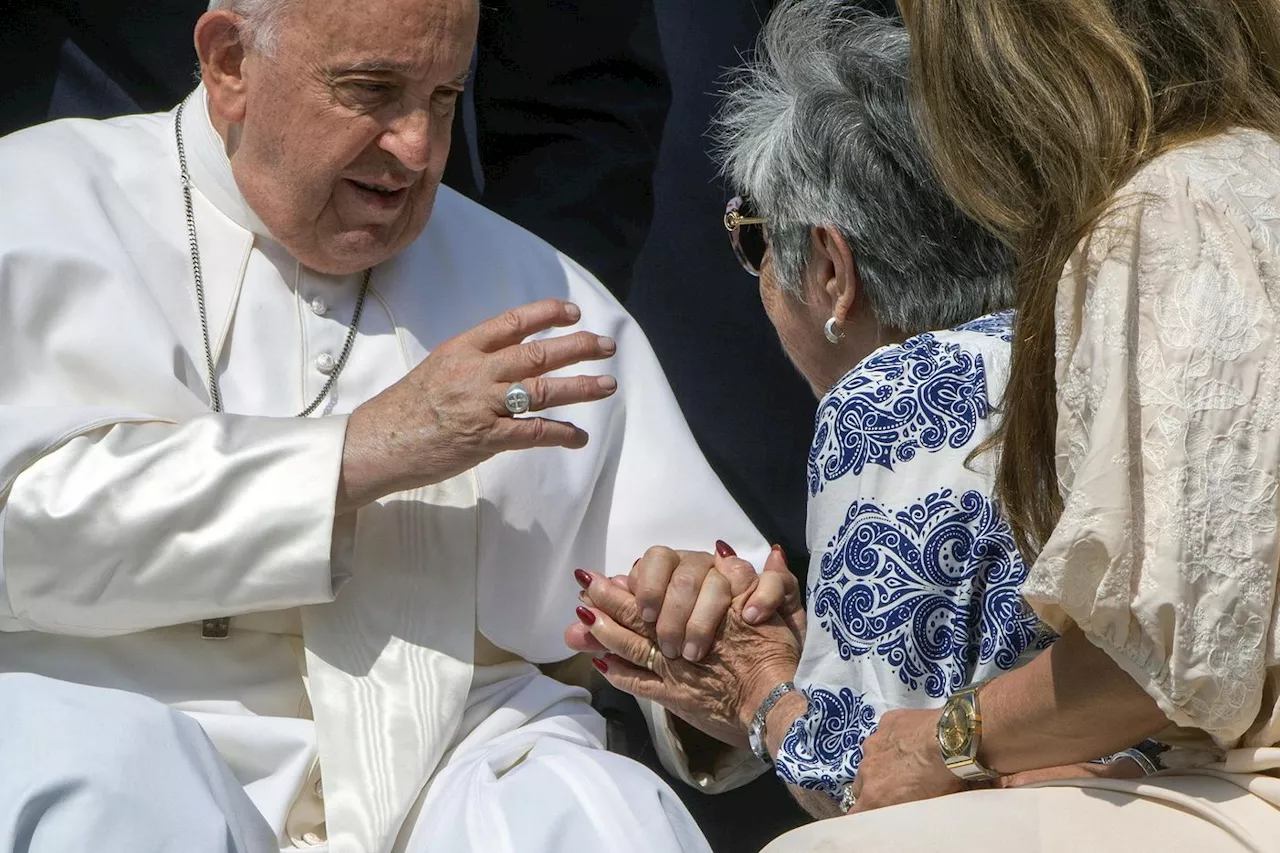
(669, 650)
(600, 665)
(723, 549)
(607, 344)
(649, 614)
(607, 383)
(573, 312)
(751, 614)
(586, 616)
(690, 652)
(583, 579)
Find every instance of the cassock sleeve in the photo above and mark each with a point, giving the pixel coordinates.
(118, 527)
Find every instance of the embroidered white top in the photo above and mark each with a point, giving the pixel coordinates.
(1168, 372)
(914, 581)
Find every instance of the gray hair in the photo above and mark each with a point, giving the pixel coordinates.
(261, 20)
(817, 130)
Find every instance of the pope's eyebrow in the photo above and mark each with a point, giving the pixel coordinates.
(373, 66)
(382, 66)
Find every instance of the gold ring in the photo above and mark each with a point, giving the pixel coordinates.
(653, 655)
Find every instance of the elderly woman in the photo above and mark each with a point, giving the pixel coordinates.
(1129, 152)
(881, 292)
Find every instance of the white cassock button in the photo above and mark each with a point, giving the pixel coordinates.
(319, 307)
(325, 363)
(312, 838)
(320, 788)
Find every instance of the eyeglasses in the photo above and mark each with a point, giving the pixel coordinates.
(746, 234)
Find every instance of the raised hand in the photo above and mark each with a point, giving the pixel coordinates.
(449, 413)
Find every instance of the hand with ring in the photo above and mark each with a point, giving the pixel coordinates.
(717, 694)
(456, 409)
(685, 595)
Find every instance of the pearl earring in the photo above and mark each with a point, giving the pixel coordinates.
(832, 331)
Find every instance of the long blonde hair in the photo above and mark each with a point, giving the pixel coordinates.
(1036, 112)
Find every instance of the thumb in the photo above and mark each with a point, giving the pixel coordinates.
(775, 589)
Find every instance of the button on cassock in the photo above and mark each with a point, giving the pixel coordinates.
(319, 307)
(325, 363)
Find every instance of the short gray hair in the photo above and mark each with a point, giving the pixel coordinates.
(817, 130)
(261, 20)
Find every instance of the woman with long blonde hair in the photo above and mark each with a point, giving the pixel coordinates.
(1127, 151)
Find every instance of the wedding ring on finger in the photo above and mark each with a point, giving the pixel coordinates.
(517, 399)
(653, 656)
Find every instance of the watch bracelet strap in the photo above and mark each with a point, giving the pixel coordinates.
(971, 769)
(761, 715)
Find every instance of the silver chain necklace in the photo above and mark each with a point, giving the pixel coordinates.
(220, 628)
(215, 395)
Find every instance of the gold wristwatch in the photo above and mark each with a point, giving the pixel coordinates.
(960, 735)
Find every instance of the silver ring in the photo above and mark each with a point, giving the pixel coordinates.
(847, 799)
(517, 399)
(653, 655)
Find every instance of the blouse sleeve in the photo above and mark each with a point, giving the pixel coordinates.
(1168, 447)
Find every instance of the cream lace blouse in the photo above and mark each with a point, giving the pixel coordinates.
(1168, 445)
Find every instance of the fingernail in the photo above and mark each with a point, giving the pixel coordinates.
(573, 312)
(649, 614)
(777, 548)
(600, 665)
(690, 652)
(607, 344)
(583, 579)
(636, 563)
(670, 651)
(607, 383)
(751, 614)
(586, 616)
(723, 549)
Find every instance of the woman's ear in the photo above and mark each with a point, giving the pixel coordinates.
(220, 46)
(833, 256)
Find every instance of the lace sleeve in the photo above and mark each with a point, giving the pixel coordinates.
(1168, 450)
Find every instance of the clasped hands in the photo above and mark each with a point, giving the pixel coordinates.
(726, 638)
(725, 635)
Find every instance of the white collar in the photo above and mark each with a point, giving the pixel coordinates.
(209, 167)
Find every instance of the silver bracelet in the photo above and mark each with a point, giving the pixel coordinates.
(755, 732)
(1133, 754)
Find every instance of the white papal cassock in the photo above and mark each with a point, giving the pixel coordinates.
(375, 690)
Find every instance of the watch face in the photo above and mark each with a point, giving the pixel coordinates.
(955, 727)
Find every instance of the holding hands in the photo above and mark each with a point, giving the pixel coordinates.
(697, 654)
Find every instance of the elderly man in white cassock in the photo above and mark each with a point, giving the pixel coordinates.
(295, 471)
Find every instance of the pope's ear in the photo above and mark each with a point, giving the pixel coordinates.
(220, 45)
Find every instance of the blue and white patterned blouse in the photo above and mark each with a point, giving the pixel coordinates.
(915, 577)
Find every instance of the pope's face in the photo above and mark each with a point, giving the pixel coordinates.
(346, 124)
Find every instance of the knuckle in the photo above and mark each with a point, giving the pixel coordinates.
(538, 431)
(683, 582)
(535, 354)
(658, 553)
(511, 320)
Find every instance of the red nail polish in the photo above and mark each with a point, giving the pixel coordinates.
(723, 549)
(600, 665)
(588, 618)
(583, 579)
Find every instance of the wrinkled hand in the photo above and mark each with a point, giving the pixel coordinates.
(685, 595)
(449, 413)
(716, 695)
(901, 763)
